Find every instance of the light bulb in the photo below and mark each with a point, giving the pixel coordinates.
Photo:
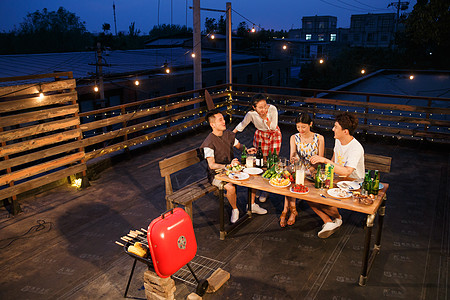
(321, 61)
(193, 55)
(363, 71)
(411, 77)
(284, 47)
(136, 82)
(167, 70)
(213, 36)
(96, 89)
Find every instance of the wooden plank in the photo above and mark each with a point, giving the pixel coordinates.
(129, 129)
(15, 105)
(38, 76)
(40, 142)
(170, 169)
(390, 106)
(141, 139)
(192, 192)
(38, 182)
(168, 162)
(38, 115)
(139, 126)
(41, 168)
(35, 88)
(38, 129)
(20, 160)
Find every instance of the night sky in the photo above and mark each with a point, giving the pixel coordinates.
(268, 14)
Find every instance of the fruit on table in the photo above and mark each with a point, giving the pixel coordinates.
(280, 181)
(300, 188)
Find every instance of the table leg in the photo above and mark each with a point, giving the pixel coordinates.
(381, 213)
(249, 202)
(365, 261)
(223, 233)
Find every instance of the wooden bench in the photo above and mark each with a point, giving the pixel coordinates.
(188, 194)
(371, 161)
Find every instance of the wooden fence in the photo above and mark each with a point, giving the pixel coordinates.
(40, 134)
(50, 129)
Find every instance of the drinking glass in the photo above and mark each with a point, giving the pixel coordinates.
(322, 178)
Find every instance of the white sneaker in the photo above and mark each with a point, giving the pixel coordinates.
(338, 221)
(234, 215)
(256, 209)
(328, 229)
(263, 197)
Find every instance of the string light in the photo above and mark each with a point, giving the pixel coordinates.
(253, 30)
(212, 36)
(284, 47)
(321, 61)
(363, 71)
(411, 77)
(136, 82)
(193, 55)
(96, 88)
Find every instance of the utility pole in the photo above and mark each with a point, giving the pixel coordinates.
(400, 5)
(229, 45)
(197, 46)
(114, 11)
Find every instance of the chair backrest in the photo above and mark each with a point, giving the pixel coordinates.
(371, 161)
(178, 162)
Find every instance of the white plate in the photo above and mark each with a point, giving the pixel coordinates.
(253, 171)
(298, 192)
(348, 185)
(335, 193)
(238, 176)
(380, 186)
(279, 186)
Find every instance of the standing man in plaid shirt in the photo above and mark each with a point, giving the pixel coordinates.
(265, 118)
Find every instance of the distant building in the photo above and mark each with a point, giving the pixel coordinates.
(372, 30)
(319, 28)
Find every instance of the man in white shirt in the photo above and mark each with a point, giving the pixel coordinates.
(348, 161)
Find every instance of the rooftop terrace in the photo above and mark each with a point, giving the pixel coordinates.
(73, 254)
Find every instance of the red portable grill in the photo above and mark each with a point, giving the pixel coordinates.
(172, 244)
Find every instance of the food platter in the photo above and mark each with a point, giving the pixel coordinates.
(253, 171)
(339, 193)
(238, 176)
(279, 182)
(348, 185)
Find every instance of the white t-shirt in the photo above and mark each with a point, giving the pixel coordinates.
(350, 155)
(260, 124)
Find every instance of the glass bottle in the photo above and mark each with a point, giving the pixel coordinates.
(259, 157)
(269, 160)
(244, 156)
(376, 183)
(317, 179)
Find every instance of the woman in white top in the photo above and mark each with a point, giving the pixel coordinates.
(265, 118)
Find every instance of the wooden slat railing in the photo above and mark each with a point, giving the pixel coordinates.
(37, 134)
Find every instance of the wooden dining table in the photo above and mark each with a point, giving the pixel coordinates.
(318, 196)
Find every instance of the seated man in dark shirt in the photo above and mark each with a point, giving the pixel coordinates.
(218, 149)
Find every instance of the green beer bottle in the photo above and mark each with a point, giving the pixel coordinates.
(317, 180)
(244, 156)
(376, 183)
